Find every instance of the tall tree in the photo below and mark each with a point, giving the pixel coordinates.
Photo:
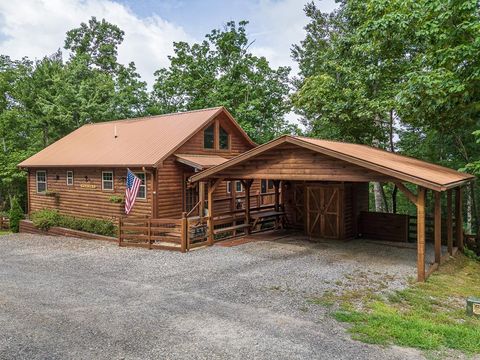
(222, 71)
(375, 71)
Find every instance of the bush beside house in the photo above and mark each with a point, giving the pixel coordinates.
(45, 219)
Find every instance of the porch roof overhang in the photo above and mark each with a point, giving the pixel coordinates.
(378, 164)
(200, 162)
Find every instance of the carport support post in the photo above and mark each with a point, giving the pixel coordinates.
(212, 185)
(247, 184)
(438, 227)
(459, 217)
(449, 223)
(421, 234)
(276, 184)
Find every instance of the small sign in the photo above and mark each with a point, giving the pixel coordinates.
(88, 186)
(476, 309)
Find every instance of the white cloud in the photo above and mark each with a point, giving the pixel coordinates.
(278, 24)
(36, 28)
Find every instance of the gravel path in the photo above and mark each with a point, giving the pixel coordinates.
(64, 298)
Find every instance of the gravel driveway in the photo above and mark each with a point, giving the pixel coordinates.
(64, 298)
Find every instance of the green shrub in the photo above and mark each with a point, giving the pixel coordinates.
(15, 215)
(45, 219)
(115, 199)
(471, 254)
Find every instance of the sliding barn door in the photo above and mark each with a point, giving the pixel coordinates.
(323, 212)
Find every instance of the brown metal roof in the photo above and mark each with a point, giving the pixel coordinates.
(139, 142)
(200, 162)
(403, 168)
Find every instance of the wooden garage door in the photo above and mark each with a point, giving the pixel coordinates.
(323, 212)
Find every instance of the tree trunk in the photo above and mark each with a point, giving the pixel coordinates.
(468, 201)
(380, 198)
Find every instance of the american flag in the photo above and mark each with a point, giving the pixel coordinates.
(133, 185)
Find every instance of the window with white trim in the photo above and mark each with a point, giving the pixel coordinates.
(229, 187)
(142, 190)
(41, 181)
(238, 186)
(69, 178)
(107, 180)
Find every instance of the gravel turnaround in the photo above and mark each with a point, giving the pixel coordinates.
(64, 298)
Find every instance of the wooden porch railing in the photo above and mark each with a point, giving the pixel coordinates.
(191, 230)
(165, 234)
(4, 223)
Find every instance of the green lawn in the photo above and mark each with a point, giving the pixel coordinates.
(4, 232)
(428, 316)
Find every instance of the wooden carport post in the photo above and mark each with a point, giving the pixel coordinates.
(212, 185)
(449, 223)
(421, 234)
(459, 217)
(438, 227)
(419, 201)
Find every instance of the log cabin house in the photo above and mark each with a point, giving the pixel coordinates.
(83, 174)
(205, 180)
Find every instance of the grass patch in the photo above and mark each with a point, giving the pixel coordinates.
(428, 316)
(4, 232)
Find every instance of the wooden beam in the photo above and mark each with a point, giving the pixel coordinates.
(421, 234)
(276, 184)
(459, 217)
(247, 184)
(201, 198)
(449, 223)
(438, 227)
(410, 195)
(212, 185)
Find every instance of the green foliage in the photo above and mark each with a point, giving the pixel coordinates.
(427, 316)
(46, 99)
(115, 199)
(46, 218)
(403, 75)
(15, 215)
(221, 71)
(471, 254)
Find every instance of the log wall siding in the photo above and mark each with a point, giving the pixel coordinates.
(84, 201)
(289, 162)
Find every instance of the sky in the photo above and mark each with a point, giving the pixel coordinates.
(36, 28)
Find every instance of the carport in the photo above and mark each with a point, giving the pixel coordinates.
(321, 187)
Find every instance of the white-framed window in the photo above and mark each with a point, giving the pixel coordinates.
(238, 186)
(69, 178)
(107, 180)
(142, 190)
(41, 181)
(229, 187)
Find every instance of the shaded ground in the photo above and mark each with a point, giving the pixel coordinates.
(70, 298)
